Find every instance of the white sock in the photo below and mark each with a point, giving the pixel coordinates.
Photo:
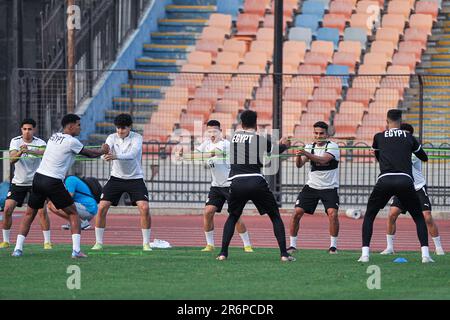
(46, 236)
(390, 241)
(19, 243)
(333, 242)
(210, 238)
(76, 239)
(245, 238)
(6, 234)
(365, 251)
(425, 252)
(99, 235)
(146, 236)
(293, 241)
(437, 242)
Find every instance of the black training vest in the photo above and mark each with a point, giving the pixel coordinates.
(333, 164)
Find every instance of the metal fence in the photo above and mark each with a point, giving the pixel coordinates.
(172, 107)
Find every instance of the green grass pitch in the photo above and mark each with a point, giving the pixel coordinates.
(187, 274)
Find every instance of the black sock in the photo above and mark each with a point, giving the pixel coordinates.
(280, 234)
(228, 231)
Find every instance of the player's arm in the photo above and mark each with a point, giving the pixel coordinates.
(326, 158)
(14, 156)
(300, 160)
(421, 154)
(375, 149)
(95, 153)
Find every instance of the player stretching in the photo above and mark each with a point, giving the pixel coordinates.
(48, 182)
(216, 150)
(25, 152)
(393, 150)
(126, 177)
(322, 185)
(397, 207)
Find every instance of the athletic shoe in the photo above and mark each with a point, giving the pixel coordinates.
(440, 251)
(248, 249)
(97, 246)
(427, 259)
(221, 257)
(17, 253)
(48, 246)
(78, 255)
(332, 250)
(363, 259)
(387, 251)
(4, 245)
(288, 258)
(208, 248)
(147, 247)
(291, 250)
(85, 225)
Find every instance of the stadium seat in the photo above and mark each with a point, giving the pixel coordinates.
(401, 7)
(349, 107)
(208, 46)
(329, 95)
(313, 7)
(325, 47)
(221, 21)
(364, 21)
(356, 34)
(309, 21)
(376, 58)
(353, 47)
(301, 34)
(233, 45)
(438, 2)
(388, 34)
(265, 34)
(394, 21)
(314, 58)
(426, 7)
(360, 95)
(200, 58)
(414, 47)
(334, 21)
(215, 35)
(343, 8)
(348, 119)
(297, 94)
(269, 21)
(256, 58)
(263, 46)
(247, 24)
(371, 69)
(329, 34)
(305, 82)
(257, 7)
(201, 107)
(345, 59)
(228, 58)
(414, 34)
(339, 70)
(405, 59)
(422, 22)
(385, 47)
(387, 95)
(368, 6)
(334, 83)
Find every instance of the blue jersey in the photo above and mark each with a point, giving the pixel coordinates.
(81, 194)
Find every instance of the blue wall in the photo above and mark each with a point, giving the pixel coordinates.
(93, 110)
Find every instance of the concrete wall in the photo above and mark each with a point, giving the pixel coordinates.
(93, 110)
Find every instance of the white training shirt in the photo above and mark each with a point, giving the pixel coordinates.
(59, 155)
(219, 164)
(26, 167)
(419, 179)
(327, 179)
(129, 156)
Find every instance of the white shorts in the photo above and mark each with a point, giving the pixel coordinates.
(83, 213)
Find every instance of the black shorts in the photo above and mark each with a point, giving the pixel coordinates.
(423, 197)
(18, 194)
(46, 187)
(255, 189)
(309, 198)
(217, 197)
(115, 187)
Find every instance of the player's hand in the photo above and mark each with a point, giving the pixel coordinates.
(105, 148)
(110, 157)
(300, 152)
(24, 149)
(286, 141)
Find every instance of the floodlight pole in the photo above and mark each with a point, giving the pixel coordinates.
(278, 89)
(70, 65)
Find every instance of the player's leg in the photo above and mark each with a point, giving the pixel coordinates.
(75, 227)
(330, 200)
(243, 233)
(378, 199)
(100, 223)
(208, 226)
(138, 192)
(434, 232)
(394, 212)
(408, 196)
(265, 202)
(10, 205)
(294, 227)
(45, 226)
(25, 225)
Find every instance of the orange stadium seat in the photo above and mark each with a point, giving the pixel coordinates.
(405, 59)
(394, 21)
(364, 21)
(233, 45)
(399, 7)
(385, 47)
(388, 34)
(200, 58)
(305, 82)
(315, 58)
(247, 24)
(263, 46)
(320, 107)
(414, 34)
(337, 21)
(345, 59)
(265, 34)
(426, 7)
(324, 47)
(353, 47)
(208, 46)
(343, 8)
(202, 107)
(352, 107)
(297, 94)
(414, 47)
(360, 95)
(257, 7)
(422, 22)
(228, 59)
(376, 58)
(330, 95)
(212, 34)
(228, 106)
(221, 21)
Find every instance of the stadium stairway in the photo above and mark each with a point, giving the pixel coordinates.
(435, 60)
(166, 52)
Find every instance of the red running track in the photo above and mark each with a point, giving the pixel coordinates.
(188, 231)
